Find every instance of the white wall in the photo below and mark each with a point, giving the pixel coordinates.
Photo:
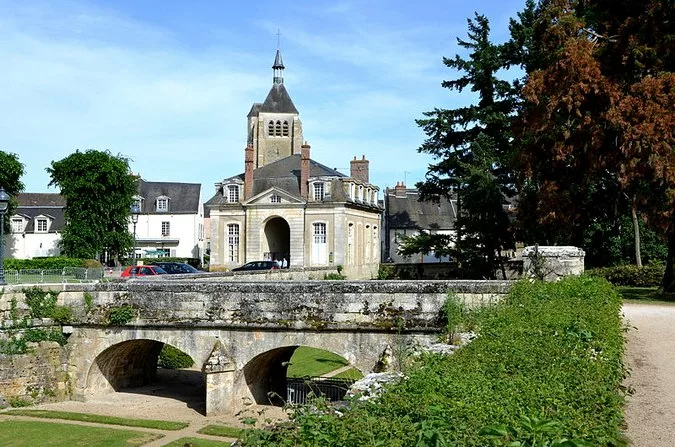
(30, 245)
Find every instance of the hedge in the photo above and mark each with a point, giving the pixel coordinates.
(545, 370)
(53, 262)
(649, 275)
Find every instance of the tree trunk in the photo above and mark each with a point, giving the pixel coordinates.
(669, 276)
(636, 232)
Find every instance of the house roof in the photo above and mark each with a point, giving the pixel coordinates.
(183, 197)
(409, 213)
(32, 205)
(277, 101)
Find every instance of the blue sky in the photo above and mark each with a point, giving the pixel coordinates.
(168, 84)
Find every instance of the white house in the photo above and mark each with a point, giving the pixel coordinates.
(35, 226)
(171, 222)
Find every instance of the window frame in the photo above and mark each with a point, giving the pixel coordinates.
(233, 240)
(17, 223)
(39, 221)
(319, 191)
(166, 228)
(233, 194)
(162, 204)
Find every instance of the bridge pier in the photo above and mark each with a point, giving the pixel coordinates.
(220, 392)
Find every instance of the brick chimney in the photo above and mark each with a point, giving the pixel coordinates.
(358, 169)
(304, 170)
(248, 172)
(400, 190)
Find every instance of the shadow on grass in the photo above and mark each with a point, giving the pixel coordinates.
(652, 294)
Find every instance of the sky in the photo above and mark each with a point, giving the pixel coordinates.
(168, 84)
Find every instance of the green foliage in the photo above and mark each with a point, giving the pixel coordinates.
(99, 191)
(385, 271)
(545, 370)
(100, 419)
(120, 315)
(221, 430)
(174, 358)
(36, 335)
(10, 179)
(334, 276)
(88, 302)
(424, 243)
(17, 402)
(631, 275)
(51, 263)
(307, 361)
(62, 314)
(42, 303)
(456, 315)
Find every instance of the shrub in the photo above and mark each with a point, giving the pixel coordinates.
(546, 367)
(334, 276)
(54, 262)
(385, 271)
(631, 275)
(119, 316)
(173, 358)
(41, 302)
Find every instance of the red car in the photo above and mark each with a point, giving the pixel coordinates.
(142, 270)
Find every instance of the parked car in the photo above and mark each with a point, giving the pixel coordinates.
(257, 265)
(142, 270)
(175, 267)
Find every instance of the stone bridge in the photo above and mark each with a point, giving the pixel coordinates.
(241, 335)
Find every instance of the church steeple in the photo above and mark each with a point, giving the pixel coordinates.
(278, 68)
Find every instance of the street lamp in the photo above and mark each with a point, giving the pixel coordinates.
(135, 211)
(4, 203)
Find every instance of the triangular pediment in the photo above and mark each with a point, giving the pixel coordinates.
(265, 198)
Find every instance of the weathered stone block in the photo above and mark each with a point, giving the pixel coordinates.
(551, 263)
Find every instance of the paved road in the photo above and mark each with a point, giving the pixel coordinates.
(650, 412)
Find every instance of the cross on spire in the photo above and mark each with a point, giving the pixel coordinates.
(278, 66)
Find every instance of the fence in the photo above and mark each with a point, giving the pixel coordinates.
(299, 390)
(52, 276)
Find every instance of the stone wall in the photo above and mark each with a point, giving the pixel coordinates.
(38, 376)
(552, 263)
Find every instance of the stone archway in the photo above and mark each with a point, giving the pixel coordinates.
(278, 239)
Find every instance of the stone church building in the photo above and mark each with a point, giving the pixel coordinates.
(286, 205)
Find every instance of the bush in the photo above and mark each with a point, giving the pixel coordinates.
(649, 275)
(51, 263)
(173, 358)
(546, 366)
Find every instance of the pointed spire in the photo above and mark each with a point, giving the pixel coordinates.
(278, 66)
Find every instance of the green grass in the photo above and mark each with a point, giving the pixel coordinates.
(196, 442)
(17, 433)
(313, 362)
(645, 294)
(99, 419)
(222, 430)
(353, 374)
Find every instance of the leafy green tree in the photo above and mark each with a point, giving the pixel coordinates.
(10, 179)
(424, 243)
(99, 190)
(473, 146)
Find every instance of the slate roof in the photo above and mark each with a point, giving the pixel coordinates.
(409, 213)
(183, 197)
(277, 101)
(285, 175)
(31, 205)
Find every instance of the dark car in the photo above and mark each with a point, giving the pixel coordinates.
(176, 267)
(257, 265)
(142, 270)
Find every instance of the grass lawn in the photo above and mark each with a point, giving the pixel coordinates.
(17, 433)
(196, 442)
(353, 374)
(100, 419)
(221, 430)
(645, 294)
(313, 362)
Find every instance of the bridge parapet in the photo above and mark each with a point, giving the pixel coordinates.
(300, 305)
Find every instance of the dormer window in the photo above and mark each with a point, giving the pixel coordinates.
(17, 225)
(233, 193)
(275, 199)
(318, 191)
(360, 197)
(41, 225)
(162, 204)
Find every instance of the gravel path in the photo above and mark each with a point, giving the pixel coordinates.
(650, 411)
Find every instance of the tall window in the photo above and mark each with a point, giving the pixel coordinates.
(233, 242)
(17, 225)
(270, 128)
(233, 193)
(166, 228)
(368, 245)
(41, 225)
(318, 191)
(350, 244)
(285, 128)
(277, 129)
(162, 204)
(319, 244)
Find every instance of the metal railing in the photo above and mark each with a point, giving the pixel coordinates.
(53, 276)
(300, 390)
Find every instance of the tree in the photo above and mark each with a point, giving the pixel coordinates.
(424, 243)
(455, 135)
(99, 190)
(10, 179)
